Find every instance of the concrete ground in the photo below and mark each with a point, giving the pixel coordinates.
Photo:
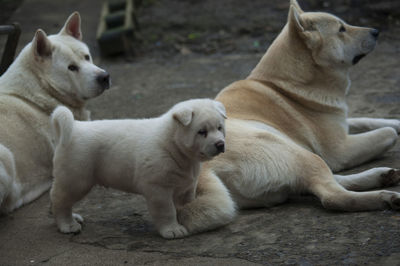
(118, 230)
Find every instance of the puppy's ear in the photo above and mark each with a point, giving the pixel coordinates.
(72, 26)
(41, 45)
(183, 116)
(296, 5)
(221, 109)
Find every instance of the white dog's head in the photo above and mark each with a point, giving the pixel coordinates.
(64, 63)
(200, 127)
(331, 40)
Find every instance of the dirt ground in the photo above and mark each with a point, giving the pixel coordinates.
(188, 49)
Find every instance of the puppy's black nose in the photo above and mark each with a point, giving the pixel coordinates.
(375, 33)
(220, 145)
(104, 80)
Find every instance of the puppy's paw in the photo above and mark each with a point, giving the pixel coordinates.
(173, 231)
(394, 123)
(392, 199)
(73, 227)
(390, 178)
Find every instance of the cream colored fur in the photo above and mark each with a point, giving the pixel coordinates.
(34, 85)
(288, 129)
(158, 158)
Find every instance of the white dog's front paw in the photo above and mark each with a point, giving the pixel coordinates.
(393, 123)
(73, 227)
(173, 231)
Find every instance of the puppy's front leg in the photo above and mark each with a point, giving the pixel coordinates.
(363, 124)
(163, 212)
(360, 148)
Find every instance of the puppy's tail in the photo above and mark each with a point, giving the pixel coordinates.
(213, 206)
(62, 123)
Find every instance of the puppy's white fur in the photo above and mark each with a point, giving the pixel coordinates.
(158, 158)
(37, 82)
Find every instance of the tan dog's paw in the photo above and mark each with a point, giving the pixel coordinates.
(173, 231)
(390, 178)
(74, 227)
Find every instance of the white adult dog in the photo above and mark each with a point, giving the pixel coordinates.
(158, 158)
(288, 129)
(50, 71)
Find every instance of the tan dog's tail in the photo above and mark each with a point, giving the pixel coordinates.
(213, 206)
(62, 123)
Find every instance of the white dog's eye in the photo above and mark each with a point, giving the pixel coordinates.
(73, 68)
(220, 128)
(203, 133)
(342, 29)
(87, 57)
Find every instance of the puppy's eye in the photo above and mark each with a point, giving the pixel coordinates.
(73, 67)
(203, 133)
(220, 128)
(342, 29)
(87, 57)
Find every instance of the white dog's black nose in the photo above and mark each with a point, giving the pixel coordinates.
(220, 145)
(375, 33)
(104, 80)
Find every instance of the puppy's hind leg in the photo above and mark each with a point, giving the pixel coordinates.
(213, 206)
(63, 195)
(370, 179)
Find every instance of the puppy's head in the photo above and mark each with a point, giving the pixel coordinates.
(332, 42)
(66, 64)
(200, 128)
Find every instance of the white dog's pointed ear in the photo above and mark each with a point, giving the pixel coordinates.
(296, 5)
(72, 26)
(41, 45)
(183, 116)
(221, 109)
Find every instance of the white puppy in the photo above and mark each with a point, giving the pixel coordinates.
(158, 158)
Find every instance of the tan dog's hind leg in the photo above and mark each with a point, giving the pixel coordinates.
(360, 148)
(363, 124)
(370, 179)
(333, 196)
(213, 206)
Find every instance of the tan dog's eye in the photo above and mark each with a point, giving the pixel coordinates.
(73, 68)
(342, 29)
(203, 133)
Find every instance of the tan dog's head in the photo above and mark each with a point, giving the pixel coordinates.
(201, 128)
(63, 62)
(331, 40)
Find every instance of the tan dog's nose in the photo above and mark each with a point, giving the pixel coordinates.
(220, 145)
(375, 33)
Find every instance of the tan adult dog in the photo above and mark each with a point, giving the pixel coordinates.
(288, 129)
(50, 71)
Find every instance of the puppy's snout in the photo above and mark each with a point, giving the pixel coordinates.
(220, 145)
(374, 33)
(104, 80)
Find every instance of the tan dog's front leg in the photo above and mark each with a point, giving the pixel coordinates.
(163, 213)
(360, 148)
(363, 124)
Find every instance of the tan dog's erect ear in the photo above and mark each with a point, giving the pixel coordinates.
(296, 5)
(72, 26)
(305, 30)
(41, 45)
(183, 116)
(221, 109)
